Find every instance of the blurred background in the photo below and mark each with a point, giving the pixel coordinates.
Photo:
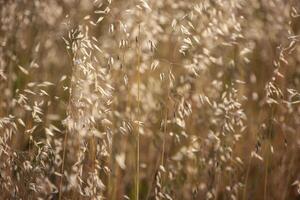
(149, 99)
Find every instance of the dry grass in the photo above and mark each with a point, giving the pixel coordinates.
(149, 99)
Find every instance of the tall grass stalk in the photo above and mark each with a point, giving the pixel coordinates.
(138, 114)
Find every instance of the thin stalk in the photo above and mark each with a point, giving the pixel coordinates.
(166, 111)
(63, 164)
(138, 114)
(73, 55)
(246, 180)
(164, 134)
(269, 138)
(266, 175)
(165, 125)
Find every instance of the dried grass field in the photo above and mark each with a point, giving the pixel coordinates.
(149, 99)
